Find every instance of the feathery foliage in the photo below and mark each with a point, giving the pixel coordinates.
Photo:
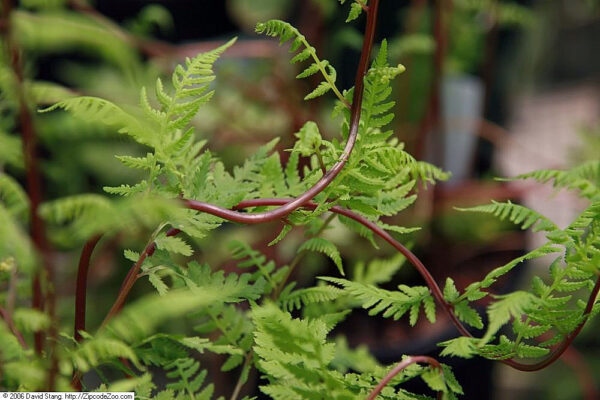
(553, 308)
(244, 313)
(286, 32)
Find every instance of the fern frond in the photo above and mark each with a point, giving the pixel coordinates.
(138, 320)
(16, 247)
(517, 214)
(11, 150)
(31, 320)
(99, 350)
(356, 9)
(83, 216)
(13, 196)
(52, 32)
(286, 32)
(253, 258)
(324, 246)
(493, 275)
(232, 288)
(44, 93)
(191, 84)
(189, 379)
(94, 109)
(317, 294)
(391, 304)
(584, 177)
(500, 312)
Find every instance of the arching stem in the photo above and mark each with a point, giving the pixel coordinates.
(399, 368)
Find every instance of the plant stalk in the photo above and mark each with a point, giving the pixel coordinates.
(399, 368)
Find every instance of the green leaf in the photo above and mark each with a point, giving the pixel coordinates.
(324, 246)
(464, 347)
(174, 245)
(468, 315)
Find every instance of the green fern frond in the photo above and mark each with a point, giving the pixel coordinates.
(356, 9)
(493, 275)
(317, 294)
(429, 173)
(11, 150)
(253, 258)
(189, 379)
(52, 32)
(99, 350)
(31, 320)
(509, 306)
(70, 208)
(232, 288)
(286, 32)
(14, 197)
(584, 177)
(141, 318)
(326, 247)
(44, 93)
(464, 347)
(391, 304)
(94, 109)
(16, 248)
(517, 214)
(234, 327)
(83, 216)
(191, 84)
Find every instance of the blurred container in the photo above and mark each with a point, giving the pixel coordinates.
(462, 100)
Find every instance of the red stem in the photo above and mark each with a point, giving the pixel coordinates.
(411, 257)
(293, 204)
(564, 345)
(81, 288)
(34, 187)
(132, 277)
(286, 206)
(399, 368)
(81, 298)
(431, 283)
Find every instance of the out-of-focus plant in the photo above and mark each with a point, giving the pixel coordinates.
(471, 20)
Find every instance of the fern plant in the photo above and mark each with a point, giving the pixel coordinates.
(257, 321)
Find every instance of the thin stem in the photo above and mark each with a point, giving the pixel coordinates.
(239, 384)
(431, 283)
(293, 204)
(399, 368)
(81, 298)
(132, 277)
(296, 260)
(564, 345)
(331, 83)
(81, 288)
(11, 325)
